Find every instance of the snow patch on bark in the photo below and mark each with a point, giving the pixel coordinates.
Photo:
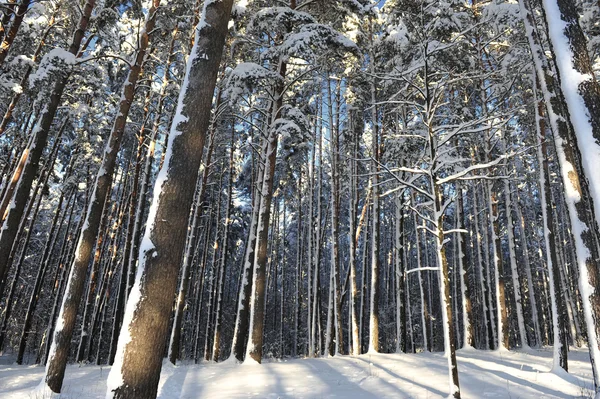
(147, 248)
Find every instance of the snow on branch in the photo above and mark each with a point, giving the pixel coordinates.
(479, 166)
(420, 269)
(312, 41)
(459, 231)
(245, 77)
(282, 19)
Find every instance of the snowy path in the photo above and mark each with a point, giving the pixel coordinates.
(482, 375)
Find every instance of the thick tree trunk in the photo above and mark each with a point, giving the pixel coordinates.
(581, 93)
(560, 104)
(137, 366)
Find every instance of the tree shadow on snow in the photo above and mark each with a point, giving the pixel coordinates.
(511, 378)
(393, 374)
(335, 381)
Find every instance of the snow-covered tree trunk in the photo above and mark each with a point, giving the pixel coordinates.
(194, 225)
(61, 341)
(62, 270)
(580, 88)
(465, 285)
(333, 115)
(91, 297)
(375, 272)
(257, 299)
(581, 92)
(136, 371)
(571, 121)
(516, 284)
(242, 320)
(556, 299)
(500, 295)
(356, 126)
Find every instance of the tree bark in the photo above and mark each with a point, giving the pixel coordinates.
(137, 366)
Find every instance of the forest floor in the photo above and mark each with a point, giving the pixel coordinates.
(483, 374)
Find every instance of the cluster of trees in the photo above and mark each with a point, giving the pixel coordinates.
(302, 178)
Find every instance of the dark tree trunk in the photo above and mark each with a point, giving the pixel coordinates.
(145, 327)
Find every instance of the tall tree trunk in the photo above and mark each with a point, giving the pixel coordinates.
(334, 348)
(242, 320)
(68, 314)
(465, 285)
(581, 93)
(137, 366)
(500, 295)
(557, 300)
(559, 105)
(257, 306)
(224, 257)
(375, 272)
(197, 214)
(356, 126)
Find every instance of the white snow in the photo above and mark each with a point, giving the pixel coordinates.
(483, 374)
(55, 59)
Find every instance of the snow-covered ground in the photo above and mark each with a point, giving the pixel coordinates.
(483, 374)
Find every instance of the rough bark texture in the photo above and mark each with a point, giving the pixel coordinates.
(145, 327)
